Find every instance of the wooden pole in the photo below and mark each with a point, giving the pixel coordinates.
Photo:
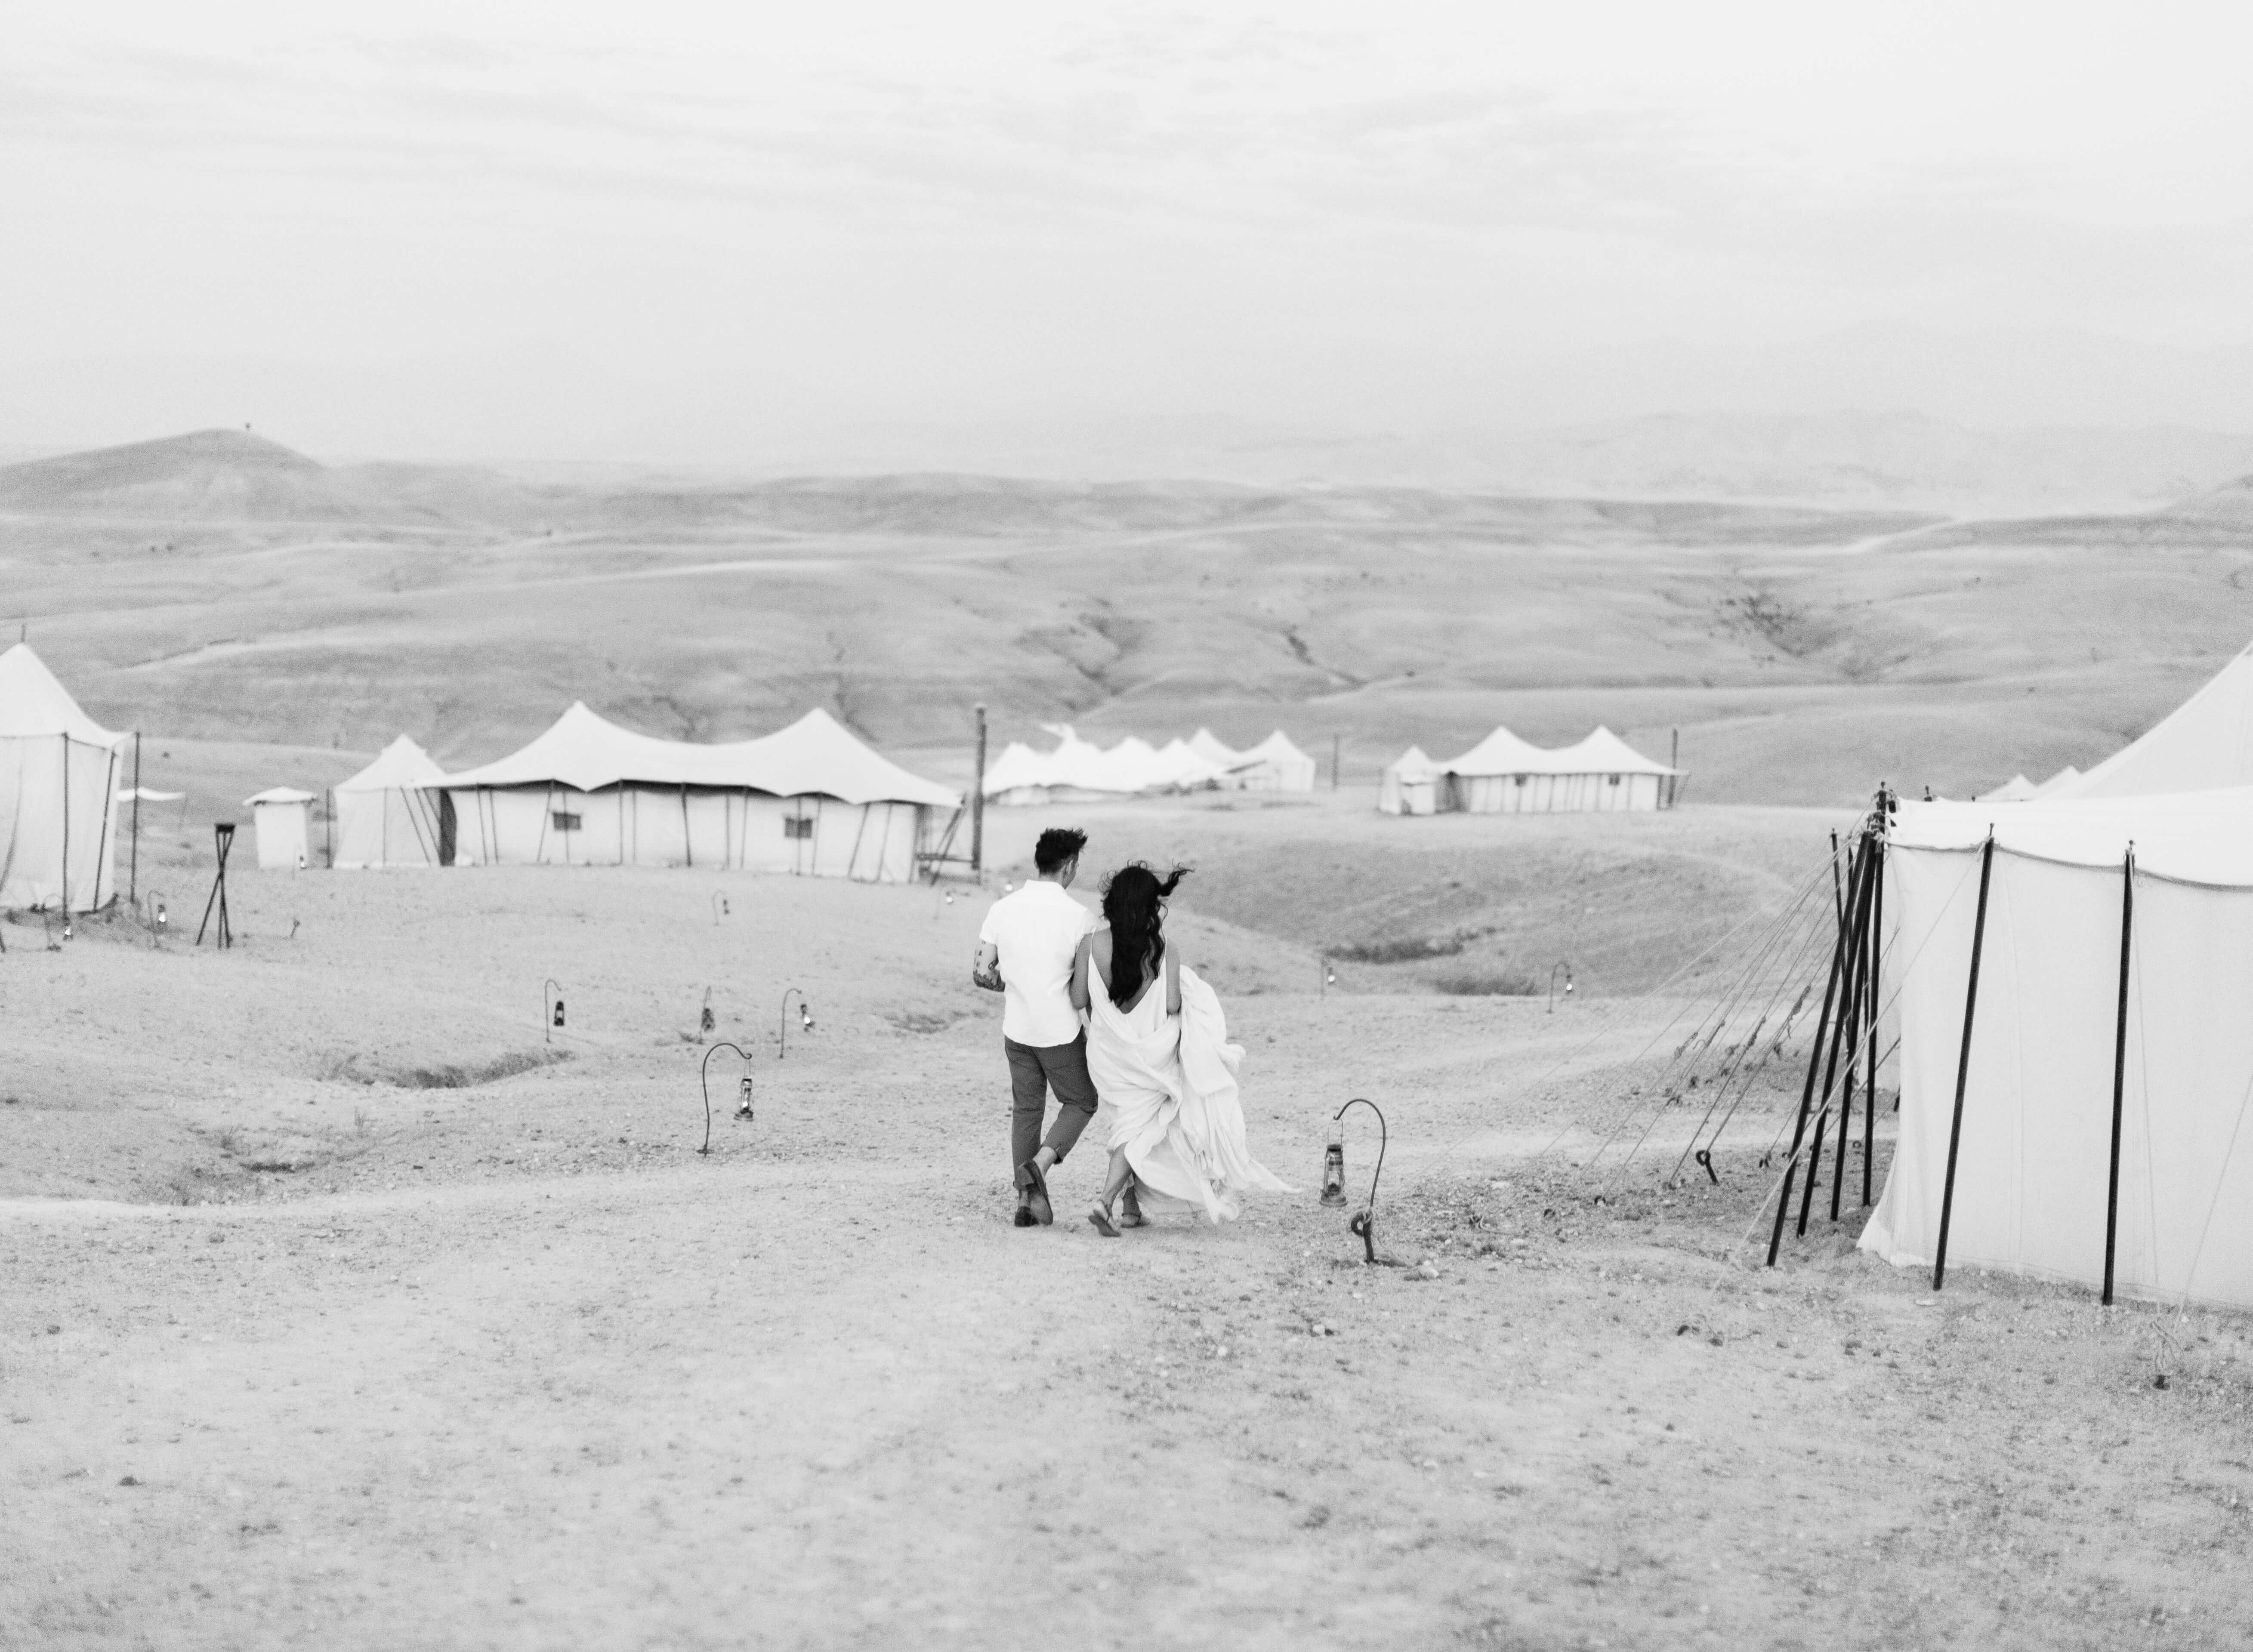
(1963, 1063)
(1334, 745)
(978, 800)
(66, 830)
(1842, 1037)
(1807, 1094)
(2119, 1063)
(133, 885)
(1877, 944)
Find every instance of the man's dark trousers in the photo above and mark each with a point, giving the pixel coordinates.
(1034, 1071)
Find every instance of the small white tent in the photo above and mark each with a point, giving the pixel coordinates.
(392, 814)
(1409, 784)
(2017, 789)
(279, 813)
(2055, 785)
(1275, 765)
(809, 800)
(58, 775)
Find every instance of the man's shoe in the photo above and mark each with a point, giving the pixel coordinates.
(1024, 1218)
(1037, 1192)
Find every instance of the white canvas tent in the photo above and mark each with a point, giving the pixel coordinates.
(2033, 1186)
(392, 812)
(809, 800)
(1505, 775)
(1080, 771)
(2056, 783)
(2017, 789)
(1274, 765)
(58, 775)
(1409, 784)
(280, 814)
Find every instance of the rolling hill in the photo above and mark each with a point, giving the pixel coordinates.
(1803, 652)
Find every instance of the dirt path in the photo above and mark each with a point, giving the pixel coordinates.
(511, 1365)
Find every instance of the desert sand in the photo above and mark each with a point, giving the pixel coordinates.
(349, 1305)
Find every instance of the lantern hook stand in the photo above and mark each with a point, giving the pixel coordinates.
(551, 1009)
(223, 840)
(704, 1077)
(1363, 1224)
(805, 1019)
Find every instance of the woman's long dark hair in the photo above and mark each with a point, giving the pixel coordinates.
(1135, 906)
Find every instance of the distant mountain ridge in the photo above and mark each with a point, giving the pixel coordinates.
(202, 476)
(1885, 465)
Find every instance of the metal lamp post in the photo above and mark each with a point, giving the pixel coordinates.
(743, 1089)
(805, 1019)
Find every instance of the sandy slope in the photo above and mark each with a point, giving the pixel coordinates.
(511, 1364)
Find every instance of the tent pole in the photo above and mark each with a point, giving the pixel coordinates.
(1837, 894)
(133, 888)
(1806, 1096)
(1876, 943)
(66, 831)
(978, 801)
(2119, 1063)
(1842, 1035)
(329, 828)
(1963, 1064)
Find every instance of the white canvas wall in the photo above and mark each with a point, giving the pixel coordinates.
(282, 837)
(1555, 793)
(393, 826)
(2033, 1163)
(58, 817)
(729, 831)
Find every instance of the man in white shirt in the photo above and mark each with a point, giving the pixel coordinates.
(1026, 949)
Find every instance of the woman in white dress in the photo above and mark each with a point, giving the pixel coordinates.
(1158, 1050)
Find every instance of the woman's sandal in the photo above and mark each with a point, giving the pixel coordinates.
(1131, 1215)
(1099, 1219)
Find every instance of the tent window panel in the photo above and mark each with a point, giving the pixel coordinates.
(564, 820)
(797, 825)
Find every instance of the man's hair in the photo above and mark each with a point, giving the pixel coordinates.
(1057, 845)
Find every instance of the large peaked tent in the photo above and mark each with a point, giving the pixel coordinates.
(1601, 774)
(392, 812)
(2054, 1024)
(809, 800)
(2104, 1062)
(58, 775)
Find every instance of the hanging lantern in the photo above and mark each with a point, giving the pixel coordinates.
(559, 1011)
(743, 1097)
(1363, 1224)
(162, 916)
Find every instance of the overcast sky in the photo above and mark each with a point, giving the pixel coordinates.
(1334, 213)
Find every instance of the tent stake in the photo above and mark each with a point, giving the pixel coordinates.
(2119, 1062)
(1963, 1063)
(1877, 958)
(1807, 1093)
